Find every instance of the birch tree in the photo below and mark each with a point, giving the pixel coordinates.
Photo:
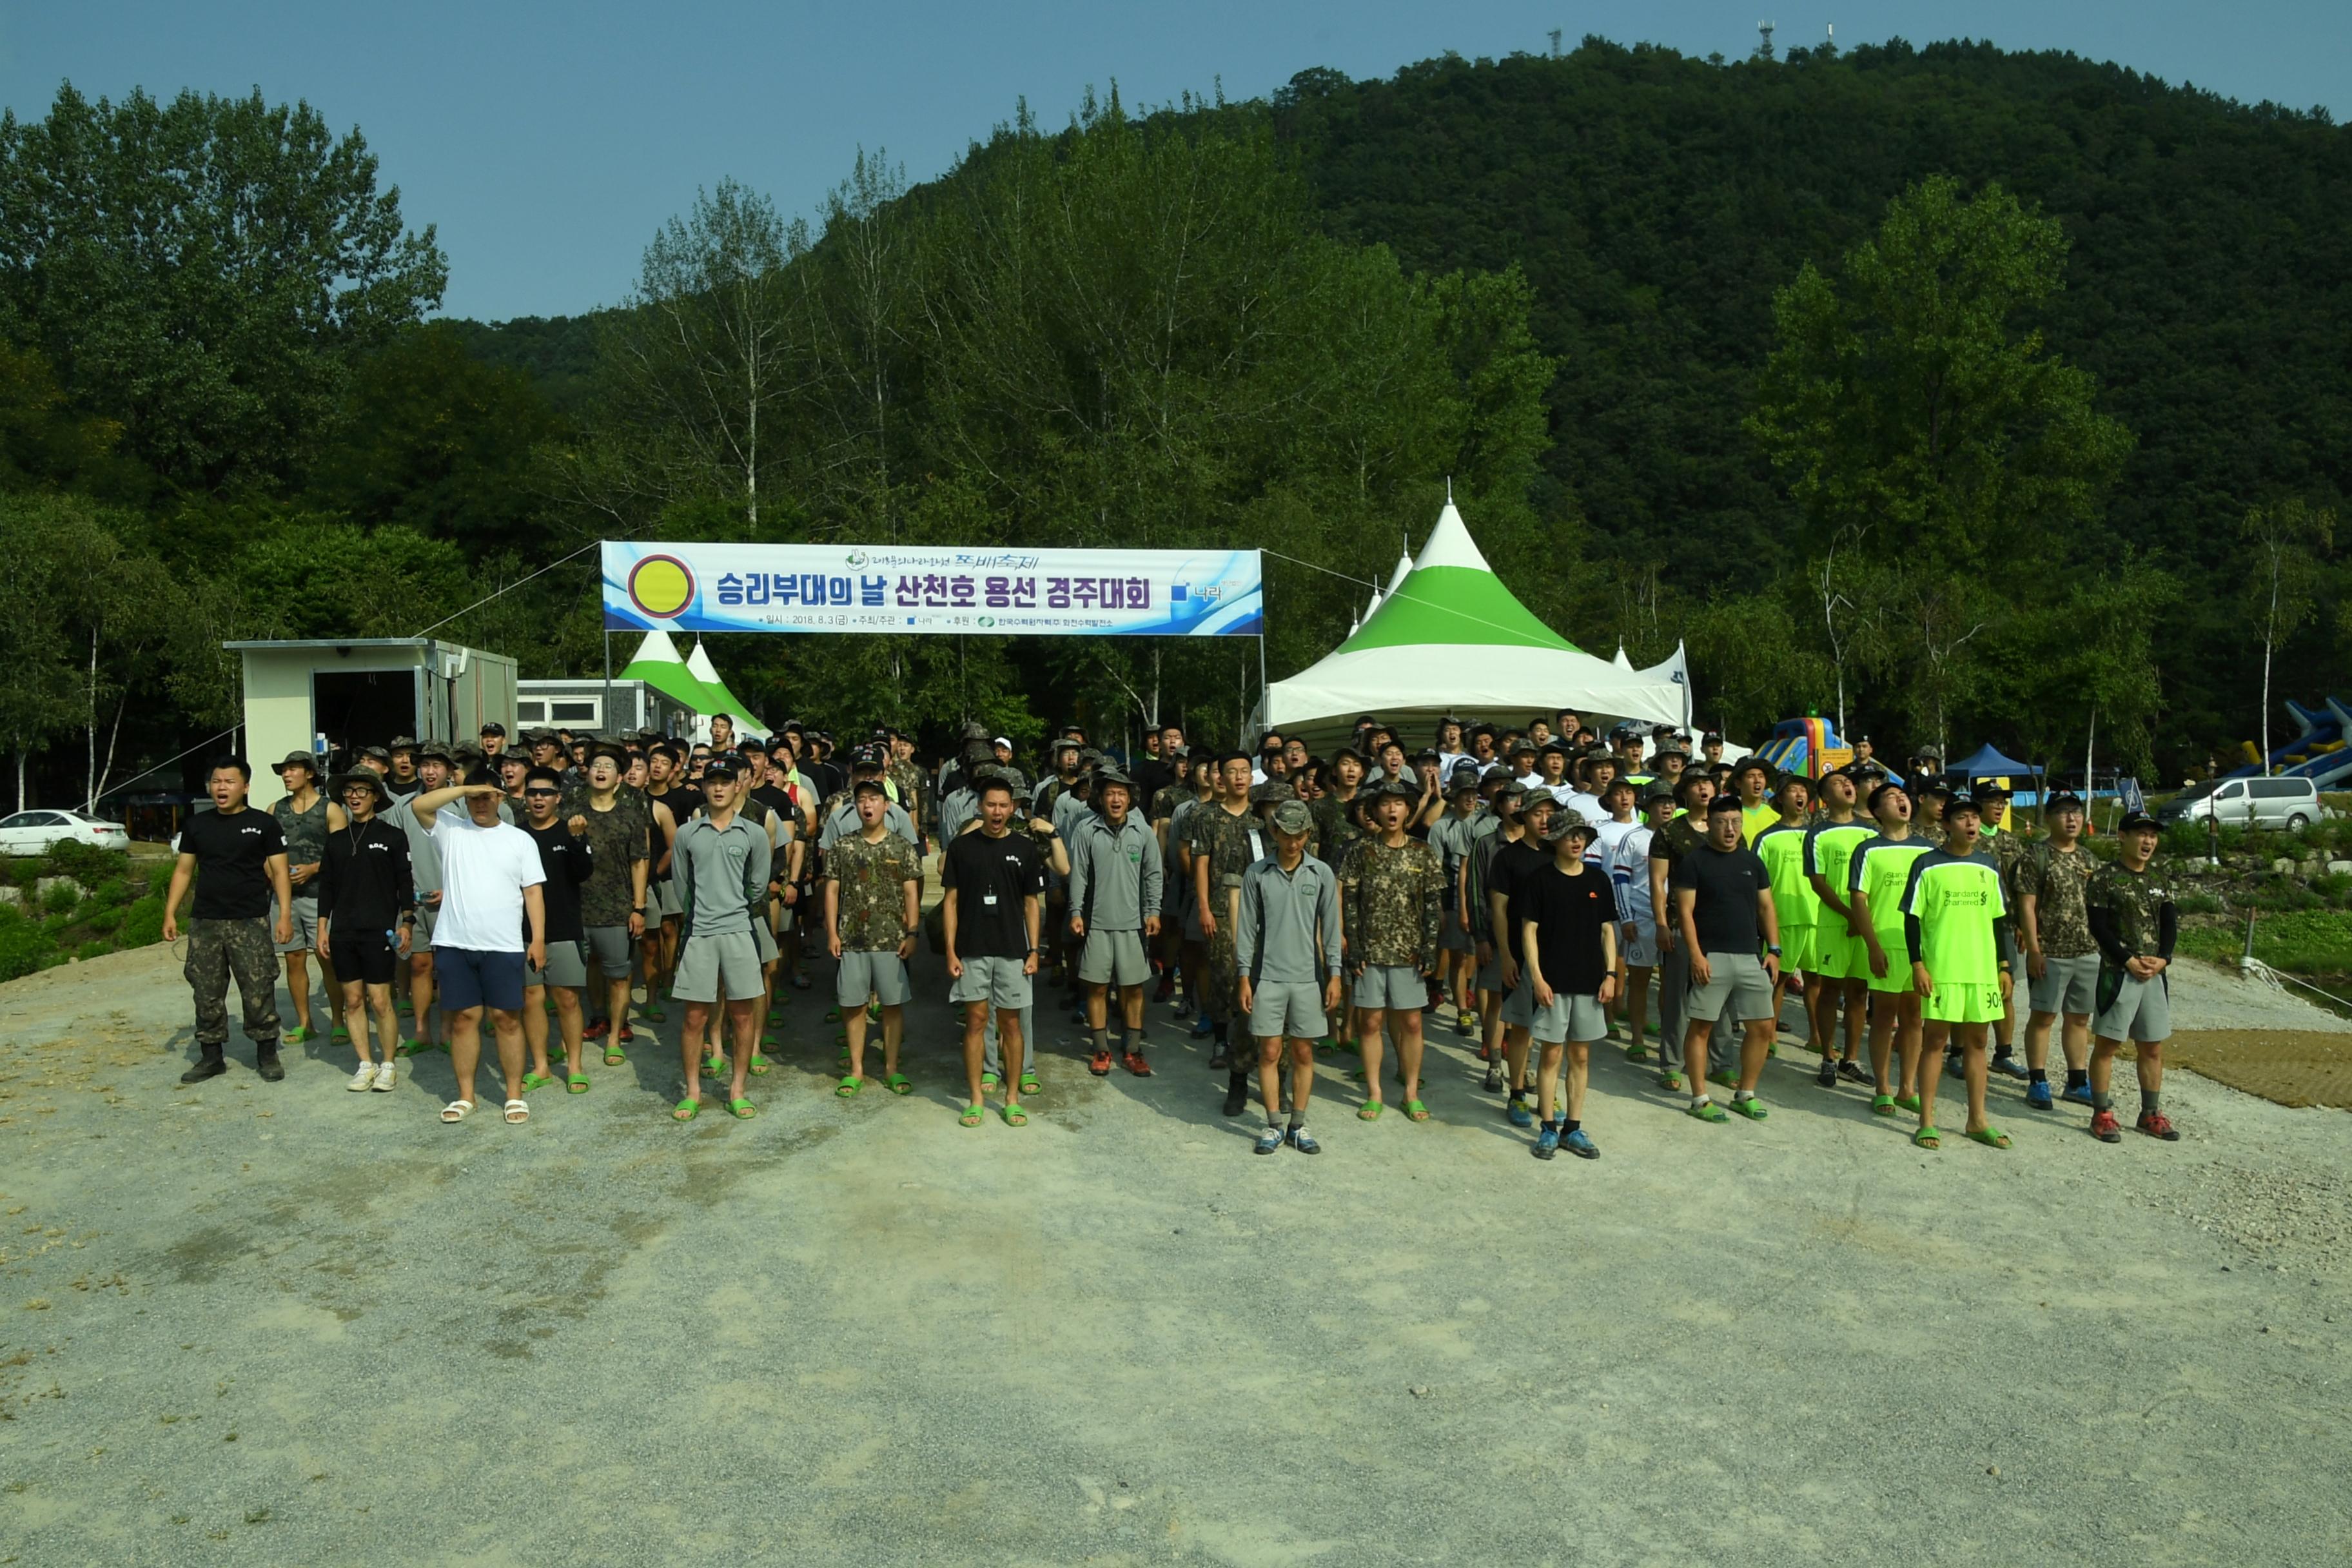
(2285, 543)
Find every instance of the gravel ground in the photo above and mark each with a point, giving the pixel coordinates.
(283, 1323)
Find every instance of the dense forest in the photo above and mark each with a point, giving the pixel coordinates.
(1971, 395)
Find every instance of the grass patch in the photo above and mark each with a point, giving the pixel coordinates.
(123, 910)
(2300, 941)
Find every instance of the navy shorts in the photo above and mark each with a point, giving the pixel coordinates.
(469, 977)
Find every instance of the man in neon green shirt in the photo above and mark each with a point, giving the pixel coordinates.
(1757, 812)
(1841, 967)
(1876, 878)
(1781, 847)
(1954, 919)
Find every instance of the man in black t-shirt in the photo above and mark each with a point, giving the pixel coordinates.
(367, 908)
(1722, 912)
(567, 861)
(995, 882)
(241, 853)
(1566, 914)
(1514, 862)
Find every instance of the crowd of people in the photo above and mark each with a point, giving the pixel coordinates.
(1531, 886)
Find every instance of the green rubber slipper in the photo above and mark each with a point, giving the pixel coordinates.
(849, 1087)
(832, 1014)
(1990, 1136)
(1670, 1080)
(615, 1056)
(653, 1014)
(741, 1109)
(1029, 1083)
(714, 1067)
(339, 1033)
(899, 1083)
(1726, 1079)
(1416, 1110)
(873, 1012)
(1927, 1138)
(686, 1110)
(1707, 1110)
(987, 1080)
(532, 1081)
(1751, 1107)
(759, 1064)
(1015, 1116)
(1371, 1111)
(1637, 1052)
(576, 1083)
(973, 1116)
(1907, 1102)
(297, 1036)
(1882, 1105)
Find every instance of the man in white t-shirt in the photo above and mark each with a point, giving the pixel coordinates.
(492, 920)
(1637, 929)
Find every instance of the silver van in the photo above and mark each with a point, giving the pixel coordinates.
(2289, 803)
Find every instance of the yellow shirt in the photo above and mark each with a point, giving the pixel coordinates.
(1755, 819)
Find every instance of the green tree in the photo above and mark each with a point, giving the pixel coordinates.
(204, 271)
(38, 697)
(2285, 543)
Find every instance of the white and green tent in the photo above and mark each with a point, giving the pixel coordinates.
(1450, 639)
(657, 664)
(718, 699)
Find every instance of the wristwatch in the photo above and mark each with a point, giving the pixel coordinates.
(1773, 948)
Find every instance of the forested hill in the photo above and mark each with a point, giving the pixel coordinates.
(1656, 201)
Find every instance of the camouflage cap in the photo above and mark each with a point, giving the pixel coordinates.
(1292, 816)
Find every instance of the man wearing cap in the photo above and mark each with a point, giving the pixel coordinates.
(1568, 946)
(1226, 840)
(1392, 898)
(1449, 836)
(1114, 903)
(1287, 935)
(364, 893)
(424, 865)
(1682, 834)
(241, 853)
(2061, 958)
(1638, 916)
(565, 861)
(873, 897)
(722, 861)
(1877, 876)
(841, 817)
(2133, 919)
(493, 737)
(994, 881)
(1954, 915)
(403, 780)
(1731, 939)
(491, 929)
(304, 816)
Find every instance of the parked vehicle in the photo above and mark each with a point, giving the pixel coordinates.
(32, 832)
(2289, 803)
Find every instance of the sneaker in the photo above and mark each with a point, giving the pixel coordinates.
(387, 1078)
(1751, 1107)
(1469, 1020)
(1183, 1008)
(363, 1080)
(1137, 1064)
(2007, 1065)
(2075, 1094)
(1581, 1144)
(1518, 1113)
(1203, 1027)
(1827, 1077)
(268, 1066)
(1100, 1065)
(2038, 1097)
(1220, 1059)
(627, 1035)
(1237, 1095)
(1954, 1065)
(2105, 1127)
(1855, 1073)
(1302, 1140)
(596, 1030)
(1268, 1141)
(2156, 1124)
(1463, 1023)
(1493, 1083)
(210, 1067)
(1547, 1143)
(1165, 991)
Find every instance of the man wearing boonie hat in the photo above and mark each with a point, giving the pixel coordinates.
(2135, 923)
(366, 908)
(721, 860)
(1449, 836)
(1393, 891)
(304, 816)
(1568, 942)
(402, 781)
(873, 900)
(2061, 958)
(1114, 904)
(1288, 947)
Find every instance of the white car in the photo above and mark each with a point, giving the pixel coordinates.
(32, 832)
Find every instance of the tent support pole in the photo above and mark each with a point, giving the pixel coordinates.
(1263, 716)
(605, 707)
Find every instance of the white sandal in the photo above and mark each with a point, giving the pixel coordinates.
(456, 1110)
(517, 1113)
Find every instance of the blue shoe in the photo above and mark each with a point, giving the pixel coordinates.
(1581, 1144)
(2009, 1067)
(1304, 1141)
(2037, 1095)
(1519, 1114)
(1546, 1142)
(2076, 1094)
(1269, 1141)
(1203, 1027)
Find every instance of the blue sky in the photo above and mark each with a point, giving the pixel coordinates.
(547, 142)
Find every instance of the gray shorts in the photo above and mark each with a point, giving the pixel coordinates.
(1641, 952)
(1519, 1003)
(881, 974)
(566, 966)
(428, 916)
(1738, 981)
(1113, 956)
(607, 947)
(1388, 986)
(664, 901)
(305, 915)
(1490, 974)
(2068, 986)
(1454, 938)
(1571, 1018)
(1292, 1009)
(763, 941)
(999, 982)
(723, 961)
(2140, 1010)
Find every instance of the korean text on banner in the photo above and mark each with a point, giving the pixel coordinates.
(848, 588)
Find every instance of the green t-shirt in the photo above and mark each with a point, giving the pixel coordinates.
(1956, 903)
(1782, 850)
(1881, 871)
(1828, 850)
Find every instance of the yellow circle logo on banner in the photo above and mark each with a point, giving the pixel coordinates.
(661, 586)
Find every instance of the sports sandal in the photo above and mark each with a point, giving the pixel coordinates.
(1015, 1116)
(575, 1083)
(686, 1110)
(899, 1083)
(457, 1110)
(1927, 1138)
(1705, 1111)
(1990, 1136)
(743, 1110)
(849, 1087)
(973, 1116)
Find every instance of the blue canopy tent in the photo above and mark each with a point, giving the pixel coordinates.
(1989, 763)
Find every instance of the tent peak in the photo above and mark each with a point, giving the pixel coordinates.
(1450, 544)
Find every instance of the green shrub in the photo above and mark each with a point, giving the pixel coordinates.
(98, 922)
(2335, 887)
(22, 944)
(143, 923)
(114, 893)
(25, 874)
(85, 863)
(60, 899)
(2198, 904)
(90, 949)
(2282, 893)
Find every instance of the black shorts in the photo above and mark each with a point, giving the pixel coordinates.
(362, 954)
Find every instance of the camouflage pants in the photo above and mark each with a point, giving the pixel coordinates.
(1223, 1001)
(217, 949)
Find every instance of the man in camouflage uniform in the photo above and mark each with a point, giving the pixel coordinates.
(242, 856)
(1171, 812)
(2061, 962)
(2133, 920)
(907, 778)
(1226, 838)
(1392, 907)
(872, 892)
